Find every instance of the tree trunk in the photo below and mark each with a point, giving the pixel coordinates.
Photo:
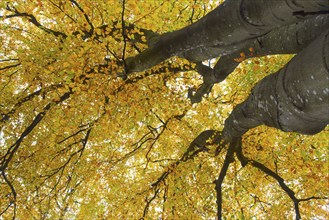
(228, 27)
(283, 39)
(289, 39)
(296, 98)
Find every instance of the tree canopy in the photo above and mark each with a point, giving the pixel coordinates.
(164, 109)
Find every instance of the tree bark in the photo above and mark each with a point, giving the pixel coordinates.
(228, 27)
(296, 98)
(289, 39)
(283, 39)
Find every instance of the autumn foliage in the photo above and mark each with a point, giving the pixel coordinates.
(79, 140)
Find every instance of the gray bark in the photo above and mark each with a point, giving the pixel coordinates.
(296, 98)
(284, 40)
(227, 27)
(293, 99)
(289, 39)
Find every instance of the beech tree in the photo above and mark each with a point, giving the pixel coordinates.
(164, 109)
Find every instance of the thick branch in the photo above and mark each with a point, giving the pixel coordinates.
(227, 27)
(201, 143)
(289, 39)
(296, 98)
(229, 158)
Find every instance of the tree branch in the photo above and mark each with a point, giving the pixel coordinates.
(10, 66)
(148, 202)
(244, 161)
(13, 192)
(34, 21)
(91, 31)
(286, 100)
(298, 36)
(5, 160)
(229, 158)
(6, 116)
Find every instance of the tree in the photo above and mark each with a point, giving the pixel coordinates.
(98, 120)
